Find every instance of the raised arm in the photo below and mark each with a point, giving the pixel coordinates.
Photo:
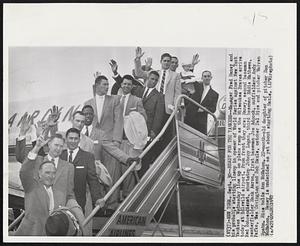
(30, 166)
(138, 65)
(116, 76)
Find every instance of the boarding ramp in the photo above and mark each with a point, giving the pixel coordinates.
(190, 156)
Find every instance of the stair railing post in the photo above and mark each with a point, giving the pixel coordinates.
(180, 234)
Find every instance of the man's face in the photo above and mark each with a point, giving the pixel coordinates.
(174, 64)
(47, 174)
(101, 88)
(72, 140)
(165, 62)
(206, 78)
(126, 86)
(89, 116)
(78, 121)
(152, 80)
(56, 147)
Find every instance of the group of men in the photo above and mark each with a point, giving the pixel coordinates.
(60, 169)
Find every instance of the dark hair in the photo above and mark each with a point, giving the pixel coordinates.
(174, 57)
(45, 162)
(205, 71)
(153, 72)
(57, 135)
(57, 224)
(74, 130)
(87, 106)
(99, 78)
(165, 55)
(78, 112)
(128, 77)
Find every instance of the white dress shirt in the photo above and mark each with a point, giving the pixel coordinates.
(125, 102)
(100, 103)
(51, 198)
(74, 153)
(160, 79)
(90, 128)
(205, 90)
(148, 93)
(55, 160)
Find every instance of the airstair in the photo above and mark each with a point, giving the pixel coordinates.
(190, 156)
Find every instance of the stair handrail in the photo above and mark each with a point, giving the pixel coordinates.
(129, 169)
(16, 221)
(178, 101)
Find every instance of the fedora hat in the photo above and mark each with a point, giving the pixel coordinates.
(102, 174)
(135, 128)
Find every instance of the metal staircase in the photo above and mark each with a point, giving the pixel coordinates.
(190, 156)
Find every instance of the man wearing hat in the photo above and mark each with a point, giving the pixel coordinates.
(48, 183)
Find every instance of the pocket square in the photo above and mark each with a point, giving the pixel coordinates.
(96, 142)
(79, 167)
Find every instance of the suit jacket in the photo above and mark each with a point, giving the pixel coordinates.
(110, 114)
(195, 119)
(173, 85)
(103, 143)
(154, 106)
(36, 197)
(84, 173)
(133, 104)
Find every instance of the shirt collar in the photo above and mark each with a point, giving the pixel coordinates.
(206, 86)
(127, 95)
(74, 153)
(55, 159)
(100, 97)
(49, 188)
(84, 129)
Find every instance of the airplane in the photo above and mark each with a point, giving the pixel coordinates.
(202, 206)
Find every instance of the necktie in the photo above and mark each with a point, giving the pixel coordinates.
(122, 103)
(162, 85)
(145, 95)
(70, 156)
(87, 131)
(51, 199)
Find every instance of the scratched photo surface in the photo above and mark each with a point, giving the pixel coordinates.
(40, 77)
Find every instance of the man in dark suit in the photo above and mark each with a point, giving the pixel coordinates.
(153, 102)
(206, 97)
(85, 171)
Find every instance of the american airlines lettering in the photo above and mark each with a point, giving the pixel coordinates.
(66, 115)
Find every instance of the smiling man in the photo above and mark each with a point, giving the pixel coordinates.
(85, 171)
(48, 182)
